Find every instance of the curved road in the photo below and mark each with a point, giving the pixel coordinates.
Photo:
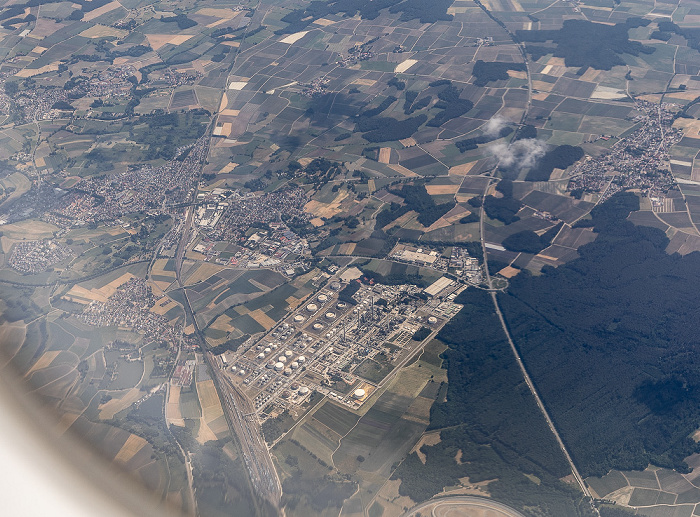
(465, 500)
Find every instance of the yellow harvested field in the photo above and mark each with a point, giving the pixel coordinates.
(294, 301)
(209, 400)
(687, 95)
(78, 294)
(130, 448)
(402, 170)
(228, 168)
(556, 61)
(436, 190)
(230, 113)
(326, 209)
(237, 85)
(112, 287)
(158, 40)
(541, 85)
(690, 126)
(91, 15)
(218, 12)
(39, 50)
(591, 75)
(12, 337)
(293, 38)
(161, 287)
(262, 318)
(114, 406)
(173, 415)
(517, 75)
(605, 92)
(540, 96)
(45, 27)
(163, 305)
(509, 272)
(317, 222)
(66, 420)
(224, 102)
(203, 272)
(159, 268)
(6, 244)
(103, 31)
(45, 360)
(347, 248)
(323, 22)
(31, 72)
(405, 65)
(384, 155)
(461, 170)
(223, 323)
(204, 434)
(427, 439)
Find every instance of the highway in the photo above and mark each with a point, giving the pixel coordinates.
(464, 500)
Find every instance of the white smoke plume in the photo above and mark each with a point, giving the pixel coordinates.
(493, 127)
(521, 153)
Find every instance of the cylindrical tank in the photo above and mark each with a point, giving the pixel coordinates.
(282, 359)
(267, 350)
(322, 298)
(330, 315)
(359, 393)
(241, 372)
(261, 355)
(342, 305)
(288, 353)
(303, 390)
(288, 371)
(271, 364)
(312, 307)
(301, 359)
(335, 285)
(298, 318)
(286, 394)
(279, 366)
(432, 320)
(294, 386)
(294, 365)
(318, 326)
(234, 369)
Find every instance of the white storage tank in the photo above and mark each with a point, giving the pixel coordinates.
(312, 307)
(282, 359)
(301, 359)
(294, 365)
(322, 298)
(279, 367)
